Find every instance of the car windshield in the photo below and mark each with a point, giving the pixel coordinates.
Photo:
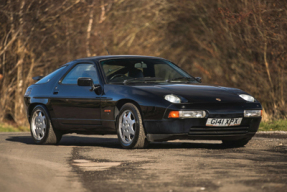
(134, 70)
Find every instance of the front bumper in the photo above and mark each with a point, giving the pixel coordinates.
(166, 137)
(195, 128)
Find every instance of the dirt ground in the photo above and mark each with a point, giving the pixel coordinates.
(98, 163)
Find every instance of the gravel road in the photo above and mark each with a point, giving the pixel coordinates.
(97, 163)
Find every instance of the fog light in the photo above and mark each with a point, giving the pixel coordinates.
(252, 113)
(187, 114)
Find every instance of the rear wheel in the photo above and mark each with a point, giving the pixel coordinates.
(41, 128)
(130, 128)
(235, 143)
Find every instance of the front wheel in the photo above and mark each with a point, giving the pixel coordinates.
(235, 143)
(130, 128)
(41, 128)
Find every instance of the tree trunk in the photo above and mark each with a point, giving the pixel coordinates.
(19, 102)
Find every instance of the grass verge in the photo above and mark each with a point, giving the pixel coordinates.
(9, 128)
(278, 125)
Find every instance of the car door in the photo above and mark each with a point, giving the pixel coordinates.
(76, 107)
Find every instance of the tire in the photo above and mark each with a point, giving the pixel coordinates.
(41, 127)
(130, 128)
(235, 143)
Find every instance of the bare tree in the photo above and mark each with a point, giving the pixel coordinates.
(240, 44)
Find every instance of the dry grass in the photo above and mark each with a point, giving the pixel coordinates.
(279, 125)
(9, 128)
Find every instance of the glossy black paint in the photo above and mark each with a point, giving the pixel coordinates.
(79, 109)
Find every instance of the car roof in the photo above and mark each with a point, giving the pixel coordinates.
(97, 58)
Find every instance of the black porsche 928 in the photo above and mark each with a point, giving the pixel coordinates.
(141, 99)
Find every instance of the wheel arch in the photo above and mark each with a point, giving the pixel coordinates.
(121, 102)
(32, 106)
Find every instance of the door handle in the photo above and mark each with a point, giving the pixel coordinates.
(56, 91)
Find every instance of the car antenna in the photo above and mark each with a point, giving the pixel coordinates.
(104, 43)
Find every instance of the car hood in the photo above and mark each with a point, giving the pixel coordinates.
(196, 93)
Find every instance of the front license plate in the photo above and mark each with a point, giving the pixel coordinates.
(223, 122)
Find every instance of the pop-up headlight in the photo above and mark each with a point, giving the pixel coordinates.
(247, 97)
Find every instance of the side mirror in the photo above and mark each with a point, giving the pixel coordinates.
(37, 78)
(86, 81)
(198, 79)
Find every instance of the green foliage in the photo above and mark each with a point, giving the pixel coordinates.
(10, 128)
(279, 125)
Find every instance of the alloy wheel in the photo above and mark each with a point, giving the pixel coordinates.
(38, 124)
(127, 127)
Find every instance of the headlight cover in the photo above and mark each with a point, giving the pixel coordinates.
(192, 114)
(187, 114)
(172, 98)
(252, 113)
(28, 91)
(247, 97)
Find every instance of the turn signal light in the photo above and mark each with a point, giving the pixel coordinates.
(173, 114)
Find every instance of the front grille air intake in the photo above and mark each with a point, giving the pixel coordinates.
(218, 130)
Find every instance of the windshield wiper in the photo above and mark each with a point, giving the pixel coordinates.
(181, 78)
(143, 79)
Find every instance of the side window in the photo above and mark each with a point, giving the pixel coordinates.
(81, 70)
(48, 77)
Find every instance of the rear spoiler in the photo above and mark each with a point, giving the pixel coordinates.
(37, 78)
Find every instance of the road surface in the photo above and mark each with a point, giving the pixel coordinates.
(97, 163)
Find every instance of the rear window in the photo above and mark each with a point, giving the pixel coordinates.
(47, 78)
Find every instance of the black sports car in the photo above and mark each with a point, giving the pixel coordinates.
(142, 99)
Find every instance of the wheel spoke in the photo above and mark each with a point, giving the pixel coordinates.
(131, 130)
(129, 138)
(125, 133)
(37, 131)
(38, 136)
(124, 118)
(43, 132)
(132, 122)
(129, 115)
